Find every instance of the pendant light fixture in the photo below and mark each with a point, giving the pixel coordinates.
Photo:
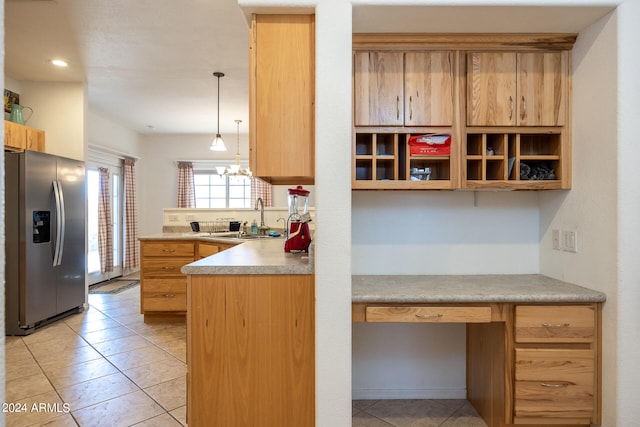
(235, 169)
(218, 143)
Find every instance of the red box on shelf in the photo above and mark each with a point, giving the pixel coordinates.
(432, 144)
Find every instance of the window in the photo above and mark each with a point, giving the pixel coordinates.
(221, 191)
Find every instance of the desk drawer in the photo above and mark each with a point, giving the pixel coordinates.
(439, 314)
(555, 324)
(555, 383)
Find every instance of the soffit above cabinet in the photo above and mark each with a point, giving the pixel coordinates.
(446, 17)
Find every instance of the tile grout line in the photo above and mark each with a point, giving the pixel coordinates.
(105, 358)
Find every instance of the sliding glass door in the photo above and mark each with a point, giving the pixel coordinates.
(111, 229)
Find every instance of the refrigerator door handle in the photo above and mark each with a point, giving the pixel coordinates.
(60, 223)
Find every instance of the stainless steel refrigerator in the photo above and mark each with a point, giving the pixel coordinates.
(44, 239)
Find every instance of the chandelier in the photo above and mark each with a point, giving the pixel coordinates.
(218, 143)
(235, 169)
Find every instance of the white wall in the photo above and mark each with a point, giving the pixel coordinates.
(59, 109)
(627, 346)
(590, 208)
(107, 133)
(432, 233)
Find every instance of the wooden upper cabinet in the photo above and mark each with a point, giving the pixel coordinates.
(541, 88)
(15, 137)
(516, 89)
(403, 89)
(491, 89)
(379, 98)
(428, 89)
(282, 98)
(19, 137)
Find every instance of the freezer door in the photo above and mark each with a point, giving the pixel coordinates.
(38, 289)
(72, 255)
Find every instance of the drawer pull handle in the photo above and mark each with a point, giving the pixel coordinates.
(428, 316)
(554, 385)
(168, 250)
(169, 295)
(168, 268)
(556, 325)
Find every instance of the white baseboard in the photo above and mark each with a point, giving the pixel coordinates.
(430, 393)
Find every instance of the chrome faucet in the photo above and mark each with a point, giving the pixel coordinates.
(263, 228)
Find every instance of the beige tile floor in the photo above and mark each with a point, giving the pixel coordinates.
(106, 367)
(102, 367)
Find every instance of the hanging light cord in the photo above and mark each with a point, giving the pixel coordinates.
(218, 74)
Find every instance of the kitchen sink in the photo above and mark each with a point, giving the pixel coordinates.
(253, 237)
(205, 234)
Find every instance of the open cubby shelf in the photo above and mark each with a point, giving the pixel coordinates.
(513, 160)
(383, 160)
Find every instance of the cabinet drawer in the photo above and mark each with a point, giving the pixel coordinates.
(555, 383)
(164, 295)
(164, 267)
(168, 249)
(208, 249)
(448, 314)
(165, 301)
(559, 324)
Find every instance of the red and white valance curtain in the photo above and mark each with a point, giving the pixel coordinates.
(105, 234)
(131, 252)
(186, 186)
(260, 188)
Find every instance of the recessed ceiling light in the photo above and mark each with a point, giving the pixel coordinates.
(59, 63)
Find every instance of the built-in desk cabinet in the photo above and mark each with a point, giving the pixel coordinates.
(529, 364)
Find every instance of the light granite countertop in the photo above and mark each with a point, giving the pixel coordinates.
(259, 256)
(226, 237)
(529, 288)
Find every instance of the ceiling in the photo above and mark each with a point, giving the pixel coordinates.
(149, 63)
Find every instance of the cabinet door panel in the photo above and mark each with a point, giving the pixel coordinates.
(491, 88)
(378, 88)
(428, 96)
(251, 350)
(282, 101)
(15, 135)
(541, 91)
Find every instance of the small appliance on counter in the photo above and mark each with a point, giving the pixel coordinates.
(298, 237)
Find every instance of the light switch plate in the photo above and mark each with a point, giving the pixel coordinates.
(555, 240)
(570, 241)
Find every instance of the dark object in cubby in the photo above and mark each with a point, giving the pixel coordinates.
(536, 171)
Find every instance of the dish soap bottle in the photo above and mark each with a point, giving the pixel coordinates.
(254, 227)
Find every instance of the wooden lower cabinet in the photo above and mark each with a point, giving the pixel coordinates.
(541, 366)
(163, 287)
(250, 350)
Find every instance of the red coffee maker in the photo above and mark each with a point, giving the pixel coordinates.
(298, 237)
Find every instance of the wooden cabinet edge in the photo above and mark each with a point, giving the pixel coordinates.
(284, 177)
